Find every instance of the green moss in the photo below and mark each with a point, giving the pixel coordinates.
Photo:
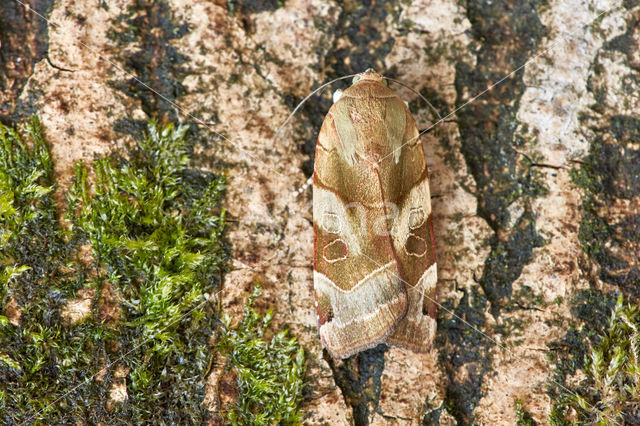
(269, 373)
(594, 230)
(524, 418)
(44, 366)
(611, 389)
(155, 227)
(556, 418)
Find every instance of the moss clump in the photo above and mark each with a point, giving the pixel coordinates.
(611, 390)
(157, 233)
(26, 209)
(43, 364)
(155, 228)
(269, 373)
(524, 418)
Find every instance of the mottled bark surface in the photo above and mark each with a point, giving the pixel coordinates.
(535, 183)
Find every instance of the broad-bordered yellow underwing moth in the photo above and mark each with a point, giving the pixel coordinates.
(375, 269)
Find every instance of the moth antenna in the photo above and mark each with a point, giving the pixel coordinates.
(306, 99)
(440, 119)
(417, 93)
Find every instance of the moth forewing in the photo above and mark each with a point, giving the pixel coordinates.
(373, 251)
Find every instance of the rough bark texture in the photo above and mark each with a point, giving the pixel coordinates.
(535, 183)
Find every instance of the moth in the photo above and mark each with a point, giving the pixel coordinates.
(375, 270)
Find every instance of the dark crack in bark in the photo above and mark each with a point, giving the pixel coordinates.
(359, 378)
(610, 228)
(150, 27)
(363, 26)
(24, 41)
(506, 34)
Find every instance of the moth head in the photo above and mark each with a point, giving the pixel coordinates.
(369, 74)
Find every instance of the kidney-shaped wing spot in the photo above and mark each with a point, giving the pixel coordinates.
(335, 251)
(415, 246)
